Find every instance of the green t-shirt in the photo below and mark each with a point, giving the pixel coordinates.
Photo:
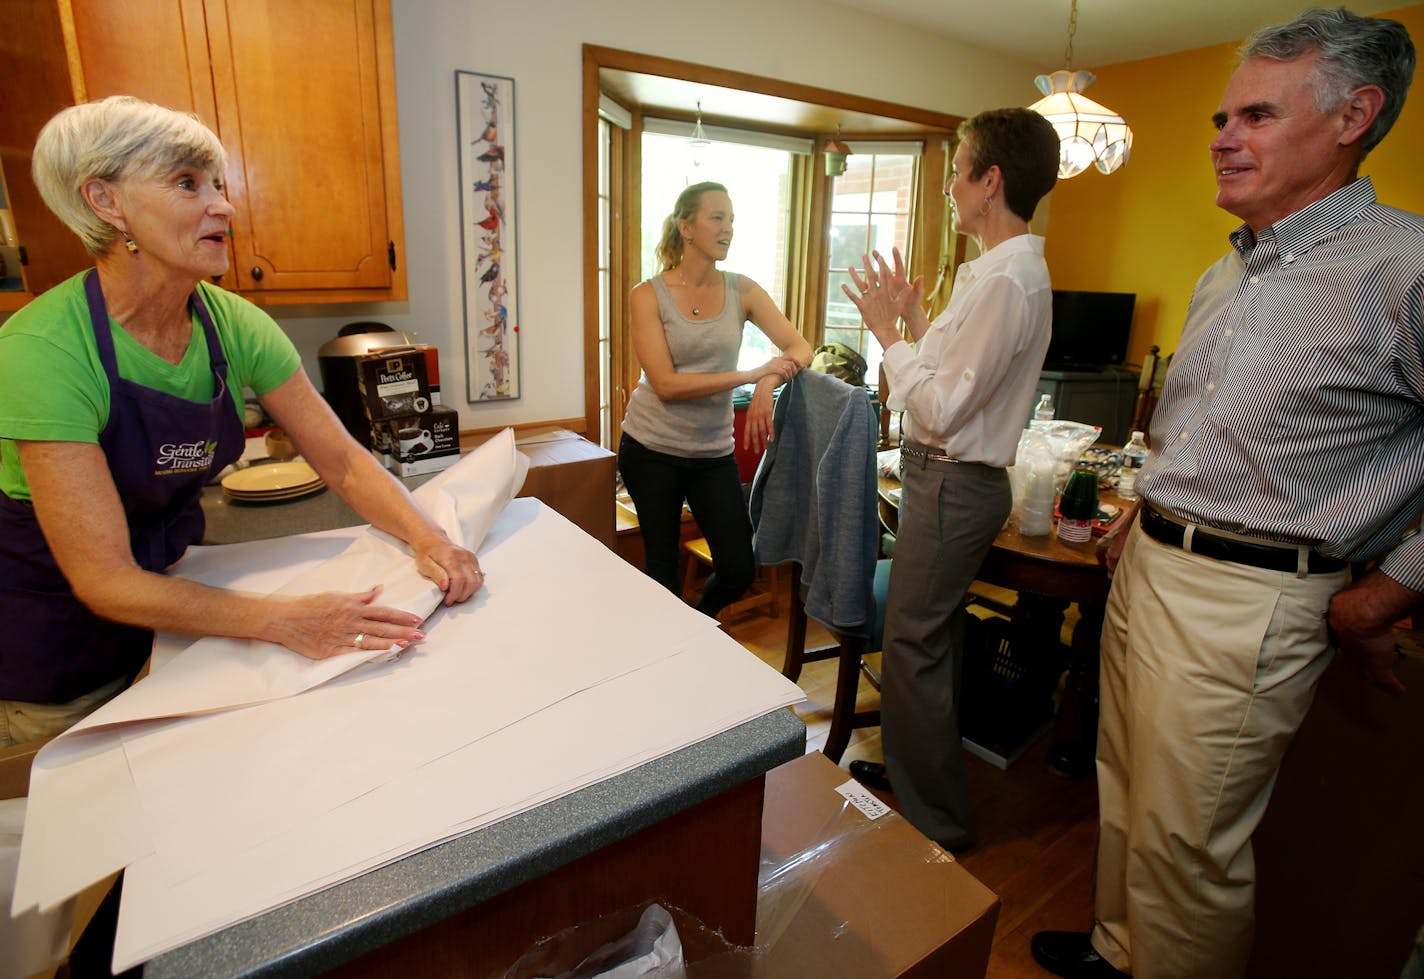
(52, 383)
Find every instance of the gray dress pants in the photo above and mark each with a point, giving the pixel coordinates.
(949, 515)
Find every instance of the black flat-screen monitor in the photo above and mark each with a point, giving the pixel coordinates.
(1090, 329)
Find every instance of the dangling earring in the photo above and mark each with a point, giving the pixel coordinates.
(987, 205)
(129, 244)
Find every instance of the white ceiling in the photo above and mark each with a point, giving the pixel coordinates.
(1108, 31)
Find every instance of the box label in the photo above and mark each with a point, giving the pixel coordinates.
(862, 798)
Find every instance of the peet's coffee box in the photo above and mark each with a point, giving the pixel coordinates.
(415, 444)
(394, 383)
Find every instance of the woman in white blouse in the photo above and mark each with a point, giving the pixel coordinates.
(965, 383)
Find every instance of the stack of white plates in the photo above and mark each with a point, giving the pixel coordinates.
(266, 482)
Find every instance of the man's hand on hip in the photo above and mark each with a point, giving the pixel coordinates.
(1362, 619)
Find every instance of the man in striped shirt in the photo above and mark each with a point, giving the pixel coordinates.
(1288, 444)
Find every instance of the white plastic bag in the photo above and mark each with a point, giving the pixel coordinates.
(1046, 455)
(652, 950)
(1066, 440)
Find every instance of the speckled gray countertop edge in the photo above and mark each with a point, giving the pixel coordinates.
(345, 921)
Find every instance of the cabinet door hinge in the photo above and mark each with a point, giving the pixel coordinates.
(391, 254)
(24, 256)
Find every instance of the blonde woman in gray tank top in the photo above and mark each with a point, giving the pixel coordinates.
(677, 433)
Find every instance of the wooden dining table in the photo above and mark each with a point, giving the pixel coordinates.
(1048, 575)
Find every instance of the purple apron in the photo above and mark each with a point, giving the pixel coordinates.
(162, 450)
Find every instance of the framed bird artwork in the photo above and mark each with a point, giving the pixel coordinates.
(484, 105)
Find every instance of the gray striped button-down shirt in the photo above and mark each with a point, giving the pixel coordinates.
(1294, 407)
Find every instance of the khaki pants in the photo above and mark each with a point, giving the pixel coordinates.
(1208, 669)
(21, 722)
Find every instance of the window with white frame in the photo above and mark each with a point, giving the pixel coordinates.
(755, 169)
(871, 211)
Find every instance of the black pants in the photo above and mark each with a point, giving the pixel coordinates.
(658, 484)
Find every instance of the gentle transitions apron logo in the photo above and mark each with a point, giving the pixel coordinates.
(176, 459)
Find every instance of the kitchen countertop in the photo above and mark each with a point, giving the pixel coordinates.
(348, 920)
(234, 521)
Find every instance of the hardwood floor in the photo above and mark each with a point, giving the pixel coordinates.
(1036, 830)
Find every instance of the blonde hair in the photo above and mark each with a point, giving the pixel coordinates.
(669, 248)
(112, 139)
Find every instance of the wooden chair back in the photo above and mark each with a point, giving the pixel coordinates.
(1149, 389)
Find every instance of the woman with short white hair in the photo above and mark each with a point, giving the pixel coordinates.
(121, 396)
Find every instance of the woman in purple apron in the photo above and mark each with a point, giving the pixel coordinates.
(117, 406)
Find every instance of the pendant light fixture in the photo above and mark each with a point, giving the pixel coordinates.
(1089, 134)
(698, 141)
(836, 152)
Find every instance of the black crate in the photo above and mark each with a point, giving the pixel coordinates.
(1007, 690)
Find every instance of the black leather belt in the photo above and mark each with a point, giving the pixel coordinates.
(1285, 558)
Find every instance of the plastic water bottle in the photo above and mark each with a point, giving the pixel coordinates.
(1043, 411)
(1036, 514)
(1134, 457)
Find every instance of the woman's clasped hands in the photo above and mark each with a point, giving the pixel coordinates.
(882, 294)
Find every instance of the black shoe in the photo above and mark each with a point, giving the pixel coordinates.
(871, 774)
(1070, 954)
(957, 847)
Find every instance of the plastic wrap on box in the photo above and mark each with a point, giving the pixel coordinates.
(838, 893)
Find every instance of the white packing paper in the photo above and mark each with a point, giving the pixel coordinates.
(36, 941)
(94, 798)
(568, 667)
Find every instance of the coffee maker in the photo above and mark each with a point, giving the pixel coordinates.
(337, 361)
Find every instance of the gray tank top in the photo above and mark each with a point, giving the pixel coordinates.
(699, 428)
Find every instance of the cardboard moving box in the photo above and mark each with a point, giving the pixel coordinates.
(839, 894)
(15, 762)
(860, 897)
(574, 476)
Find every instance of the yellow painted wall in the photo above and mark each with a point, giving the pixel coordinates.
(1152, 228)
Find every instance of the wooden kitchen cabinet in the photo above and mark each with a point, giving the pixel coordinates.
(302, 96)
(32, 49)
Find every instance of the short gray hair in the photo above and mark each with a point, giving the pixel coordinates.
(111, 139)
(1353, 51)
